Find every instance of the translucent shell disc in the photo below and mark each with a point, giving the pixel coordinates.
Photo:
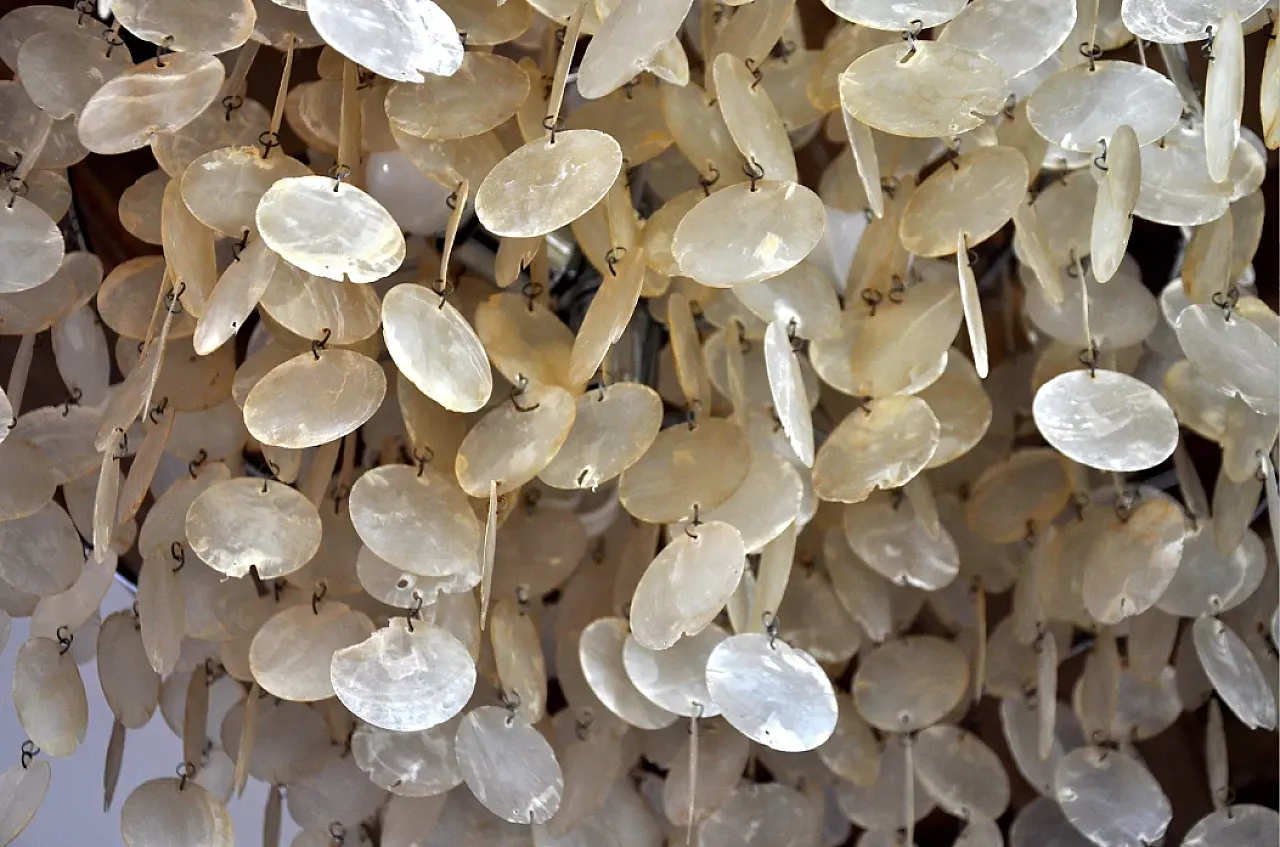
(404, 680)
(1016, 35)
(803, 294)
(147, 100)
(977, 196)
(1106, 420)
(234, 298)
(61, 70)
(758, 814)
(41, 553)
(1110, 797)
(31, 247)
(291, 652)
(890, 15)
(962, 774)
(222, 188)
(772, 693)
(307, 305)
(1117, 196)
(509, 766)
(309, 401)
(485, 24)
(909, 684)
(1122, 312)
(419, 521)
(23, 790)
(962, 407)
(1077, 107)
(210, 130)
(752, 119)
(607, 317)
(883, 446)
(538, 549)
(628, 40)
(543, 186)
(612, 429)
(434, 346)
(937, 90)
(484, 92)
(1133, 561)
(139, 209)
(687, 585)
(213, 28)
(128, 295)
(130, 686)
(512, 443)
(241, 523)
(1031, 485)
(1224, 96)
(1233, 354)
(524, 339)
(1180, 21)
(396, 39)
(49, 697)
(879, 806)
(786, 384)
(886, 533)
(342, 234)
(601, 653)
(1176, 187)
(1237, 826)
(1234, 672)
(159, 813)
(675, 679)
(1041, 824)
(740, 234)
(408, 764)
(31, 481)
(684, 467)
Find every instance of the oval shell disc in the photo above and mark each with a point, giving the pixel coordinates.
(926, 90)
(23, 789)
(1110, 797)
(895, 15)
(612, 429)
(433, 345)
(1133, 561)
(509, 766)
(417, 520)
(1018, 35)
(626, 42)
(909, 684)
(290, 653)
(886, 533)
(49, 696)
(961, 773)
(879, 805)
(482, 94)
(1180, 21)
(61, 70)
(31, 246)
(685, 467)
(403, 679)
(1077, 107)
(1106, 420)
(1236, 826)
(547, 184)
(743, 233)
(772, 693)
(408, 764)
(976, 195)
(1234, 354)
(601, 649)
(222, 188)
(241, 523)
(1234, 672)
(687, 584)
(149, 100)
(330, 229)
(158, 813)
(512, 443)
(396, 39)
(309, 401)
(676, 678)
(883, 446)
(41, 554)
(209, 28)
(962, 407)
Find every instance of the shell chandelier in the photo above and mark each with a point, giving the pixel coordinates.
(512, 443)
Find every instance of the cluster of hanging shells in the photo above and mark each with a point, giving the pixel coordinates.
(437, 566)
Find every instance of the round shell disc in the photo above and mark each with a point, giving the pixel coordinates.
(242, 523)
(964, 776)
(601, 650)
(482, 94)
(127, 297)
(222, 188)
(61, 70)
(1122, 312)
(772, 693)
(291, 742)
(1236, 826)
(1110, 797)
(159, 813)
(962, 407)
(883, 446)
(49, 697)
(404, 680)
(396, 39)
(676, 678)
(977, 195)
(339, 792)
(524, 339)
(1208, 583)
(1176, 187)
(31, 481)
(768, 501)
(315, 398)
(331, 229)
(879, 806)
(433, 345)
(210, 130)
(1234, 354)
(1030, 485)
(1180, 21)
(512, 443)
(853, 750)
(547, 184)
(896, 15)
(1077, 107)
(23, 789)
(803, 295)
(1106, 420)
(744, 233)
(687, 584)
(628, 40)
(509, 766)
(149, 99)
(1041, 824)
(887, 534)
(1018, 35)
(307, 305)
(685, 467)
(538, 549)
(31, 247)
(752, 119)
(761, 813)
(290, 654)
(612, 429)
(1234, 672)
(210, 28)
(408, 764)
(41, 554)
(1134, 560)
(909, 684)
(130, 686)
(416, 520)
(925, 90)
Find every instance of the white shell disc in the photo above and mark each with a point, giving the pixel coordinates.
(1106, 420)
(927, 90)
(628, 40)
(31, 246)
(601, 653)
(41, 554)
(404, 680)
(1224, 96)
(612, 429)
(49, 697)
(1133, 561)
(1110, 797)
(223, 187)
(23, 790)
(543, 186)
(687, 584)
(887, 534)
(675, 678)
(512, 443)
(1233, 354)
(408, 764)
(774, 694)
(1176, 187)
(894, 14)
(1018, 35)
(786, 384)
(290, 653)
(1041, 824)
(883, 445)
(1117, 196)
(1234, 673)
(909, 684)
(420, 522)
(242, 523)
(484, 92)
(879, 806)
(433, 345)
(209, 28)
(976, 195)
(704, 466)
(330, 229)
(1180, 21)
(757, 814)
(309, 401)
(1237, 826)
(740, 234)
(1077, 107)
(148, 100)
(509, 766)
(397, 39)
(159, 814)
(961, 773)
(130, 686)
